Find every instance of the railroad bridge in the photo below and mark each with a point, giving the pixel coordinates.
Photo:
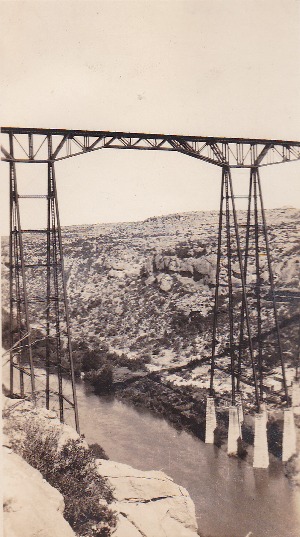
(239, 241)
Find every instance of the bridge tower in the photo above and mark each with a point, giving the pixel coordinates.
(37, 254)
(243, 305)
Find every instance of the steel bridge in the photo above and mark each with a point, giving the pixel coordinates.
(32, 145)
(236, 241)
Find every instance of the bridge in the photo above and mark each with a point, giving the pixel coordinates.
(31, 145)
(236, 241)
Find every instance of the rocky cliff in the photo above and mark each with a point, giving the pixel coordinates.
(148, 504)
(31, 506)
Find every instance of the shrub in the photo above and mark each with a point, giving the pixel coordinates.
(102, 379)
(98, 451)
(146, 358)
(72, 470)
(91, 361)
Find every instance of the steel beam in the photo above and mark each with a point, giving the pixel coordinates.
(18, 287)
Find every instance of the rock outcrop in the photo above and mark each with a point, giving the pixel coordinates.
(31, 506)
(149, 504)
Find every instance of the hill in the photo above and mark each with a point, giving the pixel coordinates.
(141, 295)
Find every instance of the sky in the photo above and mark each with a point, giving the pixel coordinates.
(225, 68)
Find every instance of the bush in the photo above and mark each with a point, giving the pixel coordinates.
(92, 360)
(98, 452)
(72, 470)
(102, 379)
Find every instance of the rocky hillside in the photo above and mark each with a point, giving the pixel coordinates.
(144, 291)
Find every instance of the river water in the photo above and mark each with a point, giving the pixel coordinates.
(231, 498)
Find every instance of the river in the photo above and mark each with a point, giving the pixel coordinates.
(231, 498)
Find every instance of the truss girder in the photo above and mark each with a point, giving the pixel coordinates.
(30, 146)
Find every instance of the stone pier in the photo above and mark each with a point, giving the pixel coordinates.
(234, 431)
(289, 446)
(211, 420)
(261, 454)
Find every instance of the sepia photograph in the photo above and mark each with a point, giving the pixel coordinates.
(150, 294)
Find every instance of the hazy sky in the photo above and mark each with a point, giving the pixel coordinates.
(213, 67)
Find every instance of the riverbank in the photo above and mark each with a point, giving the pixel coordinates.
(137, 499)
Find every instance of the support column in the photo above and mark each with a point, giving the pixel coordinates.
(239, 404)
(261, 454)
(65, 302)
(234, 431)
(20, 338)
(296, 394)
(264, 411)
(272, 285)
(289, 446)
(216, 303)
(245, 306)
(211, 421)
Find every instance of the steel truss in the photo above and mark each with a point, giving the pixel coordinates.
(20, 333)
(229, 234)
(244, 315)
(51, 309)
(32, 145)
(256, 231)
(234, 152)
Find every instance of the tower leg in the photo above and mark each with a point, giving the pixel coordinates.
(272, 286)
(25, 305)
(216, 303)
(21, 357)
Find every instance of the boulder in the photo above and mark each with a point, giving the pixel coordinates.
(165, 282)
(173, 265)
(116, 274)
(149, 504)
(159, 262)
(202, 267)
(150, 280)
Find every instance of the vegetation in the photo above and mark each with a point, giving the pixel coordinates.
(71, 469)
(101, 379)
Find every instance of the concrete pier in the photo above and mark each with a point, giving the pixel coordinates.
(263, 409)
(234, 431)
(289, 445)
(296, 394)
(239, 404)
(261, 454)
(211, 420)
